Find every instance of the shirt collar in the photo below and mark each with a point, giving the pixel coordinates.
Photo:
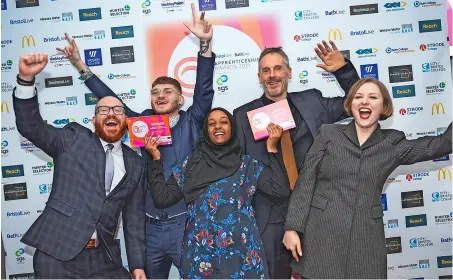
(116, 145)
(174, 121)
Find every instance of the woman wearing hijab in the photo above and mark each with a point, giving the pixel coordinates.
(218, 182)
(336, 206)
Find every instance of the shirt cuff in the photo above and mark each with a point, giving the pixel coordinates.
(24, 92)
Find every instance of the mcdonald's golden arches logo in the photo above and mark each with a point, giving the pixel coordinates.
(5, 107)
(335, 34)
(28, 39)
(437, 107)
(443, 172)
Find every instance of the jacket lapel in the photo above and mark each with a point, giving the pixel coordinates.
(350, 131)
(100, 156)
(311, 118)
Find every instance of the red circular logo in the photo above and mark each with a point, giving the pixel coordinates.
(423, 47)
(403, 111)
(409, 177)
(297, 38)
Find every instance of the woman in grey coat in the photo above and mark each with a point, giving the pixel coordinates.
(335, 206)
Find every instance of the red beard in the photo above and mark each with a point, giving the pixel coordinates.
(109, 138)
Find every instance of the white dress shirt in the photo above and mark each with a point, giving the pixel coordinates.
(27, 92)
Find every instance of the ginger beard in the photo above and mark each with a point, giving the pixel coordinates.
(110, 129)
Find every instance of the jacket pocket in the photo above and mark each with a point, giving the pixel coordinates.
(319, 202)
(60, 207)
(377, 212)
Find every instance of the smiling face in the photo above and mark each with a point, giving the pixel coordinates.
(274, 75)
(367, 105)
(219, 127)
(109, 126)
(166, 99)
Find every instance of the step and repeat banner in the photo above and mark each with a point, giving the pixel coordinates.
(130, 43)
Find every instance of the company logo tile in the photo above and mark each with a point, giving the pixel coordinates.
(393, 245)
(444, 219)
(21, 21)
(364, 9)
(6, 42)
(403, 91)
(42, 169)
(444, 174)
(369, 70)
(303, 77)
(120, 12)
(4, 107)
(128, 96)
(412, 199)
(14, 235)
(398, 50)
(416, 220)
(427, 4)
(236, 3)
(405, 28)
(335, 12)
(335, 34)
(22, 276)
(45, 188)
(432, 46)
(26, 3)
(446, 240)
(222, 85)
(4, 5)
(437, 109)
(433, 67)
(90, 14)
(146, 7)
(63, 122)
(401, 73)
(384, 201)
(417, 176)
(445, 277)
(420, 242)
(444, 261)
(122, 32)
(424, 264)
(93, 57)
(395, 6)
(12, 171)
(121, 76)
(123, 54)
(306, 37)
(364, 53)
(436, 89)
(90, 99)
(58, 82)
(393, 223)
(305, 15)
(15, 192)
(175, 5)
(8, 128)
(442, 196)
(5, 150)
(362, 32)
(17, 213)
(429, 26)
(207, 5)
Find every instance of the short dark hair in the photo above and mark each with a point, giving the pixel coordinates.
(387, 110)
(164, 80)
(277, 50)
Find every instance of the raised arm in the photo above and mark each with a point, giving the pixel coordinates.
(98, 87)
(204, 91)
(424, 148)
(165, 194)
(344, 71)
(28, 118)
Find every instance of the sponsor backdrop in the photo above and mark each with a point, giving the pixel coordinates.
(130, 43)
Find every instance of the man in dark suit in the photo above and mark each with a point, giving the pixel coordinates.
(96, 177)
(309, 109)
(165, 227)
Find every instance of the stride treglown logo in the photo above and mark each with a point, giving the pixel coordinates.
(26, 3)
(416, 221)
(403, 91)
(393, 245)
(412, 199)
(122, 32)
(90, 14)
(401, 73)
(58, 82)
(15, 191)
(13, 171)
(122, 54)
(429, 26)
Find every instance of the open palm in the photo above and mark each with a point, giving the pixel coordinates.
(199, 27)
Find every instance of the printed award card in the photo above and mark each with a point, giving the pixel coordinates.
(155, 125)
(277, 113)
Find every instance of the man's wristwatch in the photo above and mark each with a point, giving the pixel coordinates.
(85, 73)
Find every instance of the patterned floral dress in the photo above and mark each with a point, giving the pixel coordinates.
(221, 238)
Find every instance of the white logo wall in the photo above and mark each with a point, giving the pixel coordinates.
(404, 44)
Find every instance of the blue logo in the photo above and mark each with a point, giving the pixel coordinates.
(86, 120)
(43, 189)
(369, 70)
(416, 221)
(90, 99)
(384, 201)
(395, 6)
(21, 21)
(13, 171)
(426, 67)
(444, 158)
(429, 26)
(90, 14)
(444, 261)
(222, 79)
(413, 243)
(403, 91)
(4, 144)
(122, 32)
(435, 196)
(207, 5)
(423, 264)
(4, 6)
(93, 57)
(298, 15)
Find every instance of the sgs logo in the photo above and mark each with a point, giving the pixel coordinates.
(221, 83)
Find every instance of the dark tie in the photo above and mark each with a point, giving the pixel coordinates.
(109, 168)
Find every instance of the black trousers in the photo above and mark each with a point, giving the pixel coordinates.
(92, 263)
(278, 257)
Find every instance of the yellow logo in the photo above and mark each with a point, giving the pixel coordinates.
(29, 39)
(444, 172)
(438, 106)
(5, 107)
(334, 33)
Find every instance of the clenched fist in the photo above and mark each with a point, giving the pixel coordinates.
(32, 64)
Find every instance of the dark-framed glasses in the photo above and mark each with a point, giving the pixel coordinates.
(104, 110)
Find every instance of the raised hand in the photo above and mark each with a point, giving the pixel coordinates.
(32, 64)
(333, 59)
(199, 26)
(275, 133)
(151, 145)
(72, 53)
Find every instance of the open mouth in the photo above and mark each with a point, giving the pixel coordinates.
(219, 134)
(273, 84)
(111, 123)
(161, 102)
(364, 113)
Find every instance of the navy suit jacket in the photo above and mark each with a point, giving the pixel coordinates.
(315, 110)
